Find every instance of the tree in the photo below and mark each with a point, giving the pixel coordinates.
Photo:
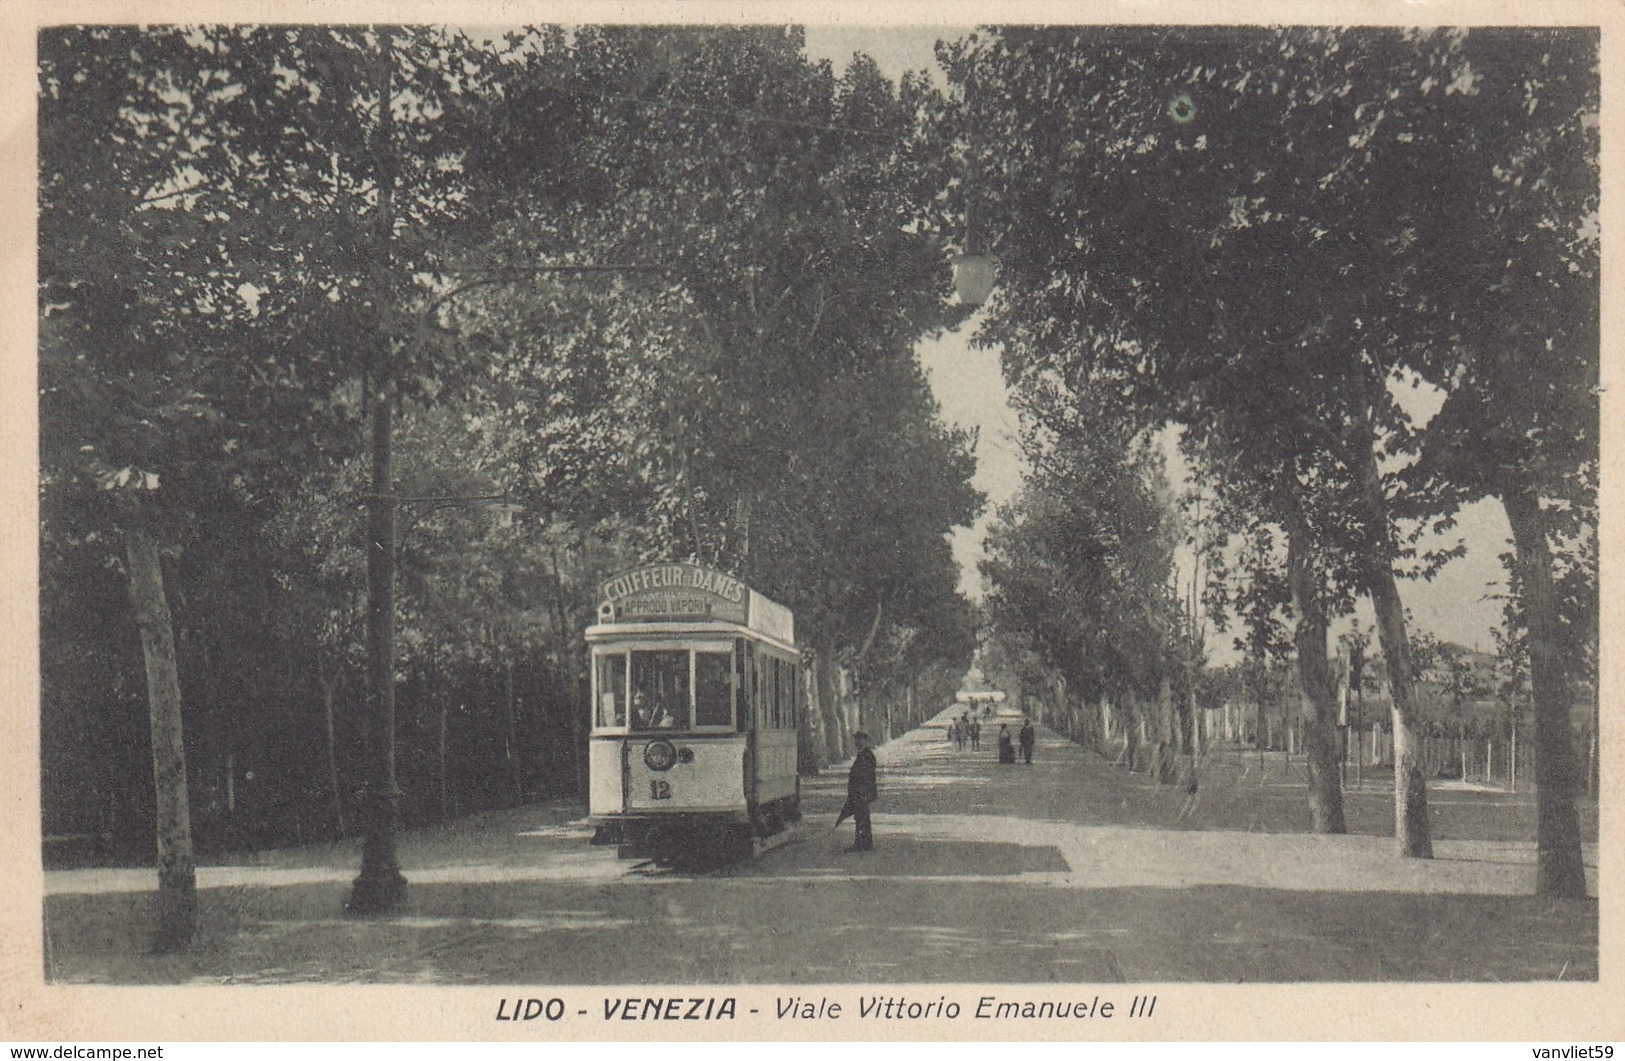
(1177, 257)
(792, 282)
(450, 288)
(226, 179)
(1078, 564)
(110, 422)
(1520, 300)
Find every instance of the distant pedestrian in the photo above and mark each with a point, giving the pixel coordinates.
(959, 733)
(861, 790)
(975, 735)
(1027, 738)
(1007, 749)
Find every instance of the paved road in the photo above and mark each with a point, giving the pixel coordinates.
(982, 872)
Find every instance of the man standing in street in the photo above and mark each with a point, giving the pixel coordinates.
(861, 790)
(1026, 740)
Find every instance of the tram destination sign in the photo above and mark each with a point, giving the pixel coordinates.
(675, 591)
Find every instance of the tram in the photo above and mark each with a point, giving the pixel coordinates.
(696, 702)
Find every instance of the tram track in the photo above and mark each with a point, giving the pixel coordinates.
(458, 940)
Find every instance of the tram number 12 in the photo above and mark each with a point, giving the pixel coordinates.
(659, 789)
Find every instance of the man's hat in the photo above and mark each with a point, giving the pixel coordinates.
(860, 735)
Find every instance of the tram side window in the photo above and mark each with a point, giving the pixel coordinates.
(713, 689)
(760, 709)
(780, 670)
(770, 703)
(787, 701)
(787, 695)
(799, 678)
(780, 707)
(776, 718)
(612, 689)
(770, 692)
(743, 703)
(660, 690)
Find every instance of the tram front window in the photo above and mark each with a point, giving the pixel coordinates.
(660, 690)
(713, 689)
(612, 689)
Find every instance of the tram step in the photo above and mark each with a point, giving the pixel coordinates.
(767, 843)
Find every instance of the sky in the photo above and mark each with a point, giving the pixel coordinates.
(896, 49)
(1454, 606)
(970, 388)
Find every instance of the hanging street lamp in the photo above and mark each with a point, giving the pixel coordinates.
(974, 276)
(975, 268)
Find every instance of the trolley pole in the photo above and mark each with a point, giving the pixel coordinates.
(380, 885)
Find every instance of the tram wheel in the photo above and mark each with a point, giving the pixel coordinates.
(742, 843)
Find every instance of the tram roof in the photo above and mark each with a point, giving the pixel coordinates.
(675, 593)
(674, 631)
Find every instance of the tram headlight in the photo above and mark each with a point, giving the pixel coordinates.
(659, 755)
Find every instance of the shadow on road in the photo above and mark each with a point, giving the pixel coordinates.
(1064, 871)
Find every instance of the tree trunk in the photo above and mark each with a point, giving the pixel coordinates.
(177, 870)
(1193, 717)
(1190, 718)
(1559, 870)
(327, 683)
(510, 749)
(440, 756)
(1166, 765)
(1594, 750)
(1131, 732)
(810, 728)
(1319, 687)
(574, 712)
(829, 704)
(1411, 827)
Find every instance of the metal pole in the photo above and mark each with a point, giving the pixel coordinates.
(380, 885)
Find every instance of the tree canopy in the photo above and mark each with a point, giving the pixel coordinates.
(659, 288)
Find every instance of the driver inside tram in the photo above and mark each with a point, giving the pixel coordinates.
(651, 714)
